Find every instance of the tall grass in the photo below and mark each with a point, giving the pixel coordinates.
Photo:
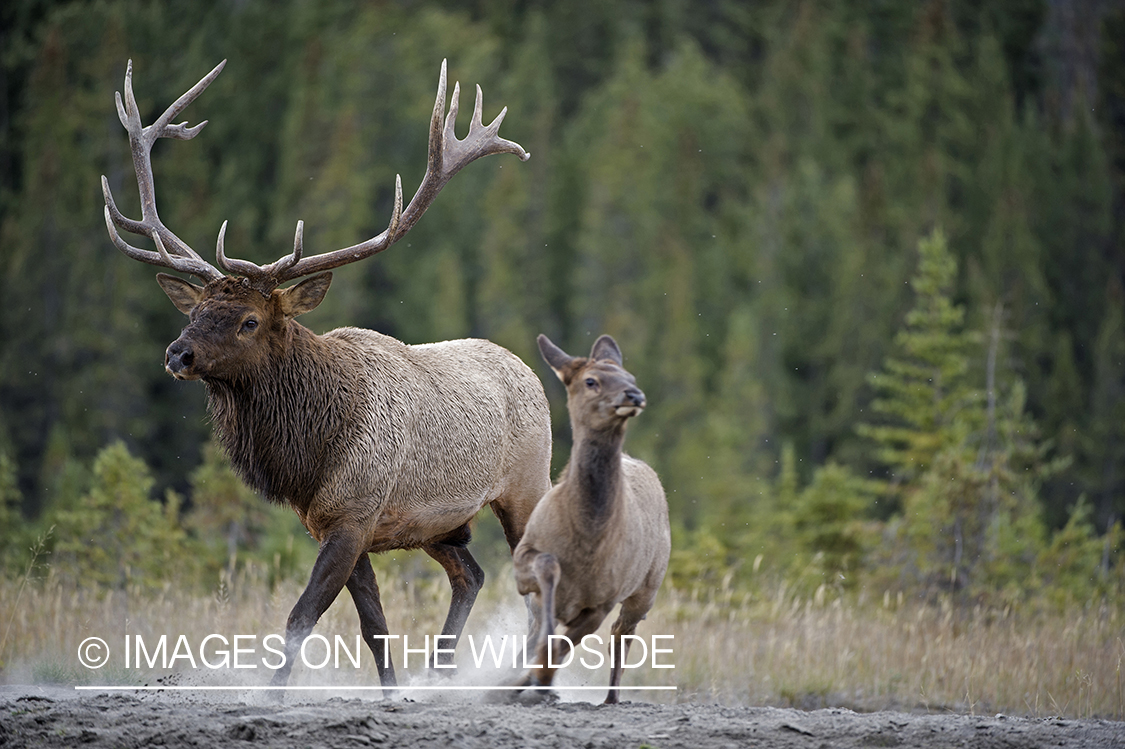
(866, 654)
(782, 649)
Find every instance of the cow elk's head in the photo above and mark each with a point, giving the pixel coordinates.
(601, 394)
(238, 321)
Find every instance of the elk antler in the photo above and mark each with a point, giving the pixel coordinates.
(447, 156)
(141, 139)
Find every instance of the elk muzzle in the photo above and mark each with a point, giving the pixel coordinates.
(631, 403)
(179, 360)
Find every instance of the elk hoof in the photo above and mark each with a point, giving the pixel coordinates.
(537, 697)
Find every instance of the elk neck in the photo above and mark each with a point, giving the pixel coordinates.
(283, 426)
(594, 470)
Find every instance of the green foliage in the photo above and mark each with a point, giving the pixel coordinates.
(925, 391)
(733, 190)
(967, 464)
(114, 535)
(700, 560)
(830, 517)
(13, 531)
(117, 535)
(1076, 565)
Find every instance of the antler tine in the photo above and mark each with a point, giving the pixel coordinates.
(128, 224)
(141, 140)
(449, 155)
(193, 265)
(277, 268)
(446, 156)
(163, 129)
(263, 278)
(293, 257)
(233, 266)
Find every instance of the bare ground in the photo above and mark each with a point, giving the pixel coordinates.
(57, 716)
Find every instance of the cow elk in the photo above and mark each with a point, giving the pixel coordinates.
(375, 444)
(600, 536)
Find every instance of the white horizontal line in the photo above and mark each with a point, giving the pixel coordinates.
(363, 688)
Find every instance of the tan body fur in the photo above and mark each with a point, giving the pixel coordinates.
(622, 560)
(435, 433)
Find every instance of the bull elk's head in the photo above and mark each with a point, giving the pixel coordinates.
(237, 318)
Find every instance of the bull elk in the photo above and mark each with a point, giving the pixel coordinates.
(600, 537)
(376, 445)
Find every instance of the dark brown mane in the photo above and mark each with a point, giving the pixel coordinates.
(280, 432)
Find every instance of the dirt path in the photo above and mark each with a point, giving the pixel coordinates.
(45, 716)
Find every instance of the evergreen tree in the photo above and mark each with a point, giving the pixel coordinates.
(1104, 451)
(225, 514)
(926, 399)
(515, 254)
(117, 535)
(736, 189)
(652, 259)
(967, 465)
(234, 527)
(1077, 565)
(829, 518)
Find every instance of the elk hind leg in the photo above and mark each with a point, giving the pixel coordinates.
(586, 623)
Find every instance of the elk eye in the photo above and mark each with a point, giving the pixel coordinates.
(250, 324)
(591, 382)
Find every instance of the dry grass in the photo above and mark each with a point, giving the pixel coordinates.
(733, 648)
(868, 655)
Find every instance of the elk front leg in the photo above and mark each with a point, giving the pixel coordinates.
(465, 580)
(372, 622)
(587, 622)
(547, 572)
(537, 577)
(334, 565)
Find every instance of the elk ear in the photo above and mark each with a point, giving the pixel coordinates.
(606, 348)
(183, 294)
(305, 296)
(561, 362)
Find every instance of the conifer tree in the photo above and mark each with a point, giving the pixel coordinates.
(117, 535)
(925, 394)
(830, 517)
(226, 515)
(965, 463)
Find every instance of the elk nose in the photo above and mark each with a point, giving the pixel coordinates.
(636, 397)
(179, 356)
